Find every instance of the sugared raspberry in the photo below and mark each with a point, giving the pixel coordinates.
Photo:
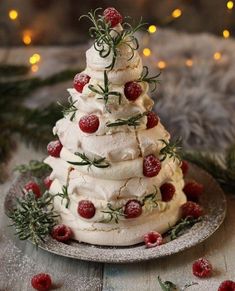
(80, 80)
(34, 187)
(132, 90)
(152, 119)
(153, 239)
(61, 233)
(41, 282)
(193, 190)
(191, 209)
(86, 209)
(167, 191)
(133, 209)
(151, 166)
(112, 16)
(89, 123)
(54, 148)
(47, 182)
(227, 285)
(184, 167)
(202, 268)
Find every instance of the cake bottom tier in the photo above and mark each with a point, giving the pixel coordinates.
(126, 232)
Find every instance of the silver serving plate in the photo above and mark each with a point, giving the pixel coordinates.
(213, 201)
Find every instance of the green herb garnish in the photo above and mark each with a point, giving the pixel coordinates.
(33, 166)
(150, 80)
(113, 213)
(170, 286)
(131, 121)
(98, 163)
(69, 109)
(172, 149)
(64, 195)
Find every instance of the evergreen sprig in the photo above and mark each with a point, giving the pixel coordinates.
(105, 92)
(113, 213)
(107, 39)
(172, 149)
(183, 225)
(69, 109)
(131, 121)
(64, 195)
(98, 163)
(33, 218)
(34, 166)
(150, 80)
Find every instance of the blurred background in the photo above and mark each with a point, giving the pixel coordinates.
(43, 45)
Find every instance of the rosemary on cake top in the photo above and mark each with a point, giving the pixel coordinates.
(107, 39)
(85, 161)
(131, 121)
(105, 91)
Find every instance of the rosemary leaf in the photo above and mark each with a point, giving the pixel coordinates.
(131, 121)
(167, 285)
(69, 109)
(34, 166)
(150, 80)
(172, 149)
(98, 163)
(64, 195)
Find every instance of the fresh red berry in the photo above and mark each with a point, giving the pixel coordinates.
(202, 268)
(89, 123)
(152, 119)
(132, 90)
(86, 209)
(80, 80)
(112, 16)
(191, 209)
(54, 148)
(184, 167)
(153, 239)
(61, 233)
(151, 166)
(34, 187)
(132, 209)
(47, 182)
(41, 282)
(193, 190)
(167, 191)
(227, 285)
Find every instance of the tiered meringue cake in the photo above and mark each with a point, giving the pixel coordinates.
(115, 180)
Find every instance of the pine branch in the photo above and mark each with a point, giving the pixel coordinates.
(150, 80)
(98, 163)
(33, 218)
(131, 121)
(172, 149)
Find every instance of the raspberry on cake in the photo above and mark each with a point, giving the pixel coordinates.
(80, 80)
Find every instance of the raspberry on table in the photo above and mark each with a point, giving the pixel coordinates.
(191, 209)
(47, 182)
(80, 80)
(227, 285)
(89, 123)
(152, 119)
(132, 90)
(151, 166)
(132, 209)
(61, 233)
(86, 209)
(112, 16)
(167, 191)
(34, 187)
(202, 268)
(153, 239)
(193, 190)
(41, 282)
(184, 167)
(54, 148)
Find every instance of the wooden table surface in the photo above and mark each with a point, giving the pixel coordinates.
(19, 261)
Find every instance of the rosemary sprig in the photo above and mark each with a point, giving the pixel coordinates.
(69, 109)
(33, 218)
(113, 213)
(108, 39)
(34, 166)
(150, 200)
(170, 286)
(131, 121)
(150, 80)
(172, 149)
(64, 195)
(181, 227)
(105, 92)
(98, 163)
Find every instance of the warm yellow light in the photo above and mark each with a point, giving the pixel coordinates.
(34, 68)
(230, 4)
(13, 14)
(146, 52)
(35, 58)
(176, 13)
(161, 65)
(152, 29)
(217, 56)
(27, 38)
(226, 33)
(189, 62)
